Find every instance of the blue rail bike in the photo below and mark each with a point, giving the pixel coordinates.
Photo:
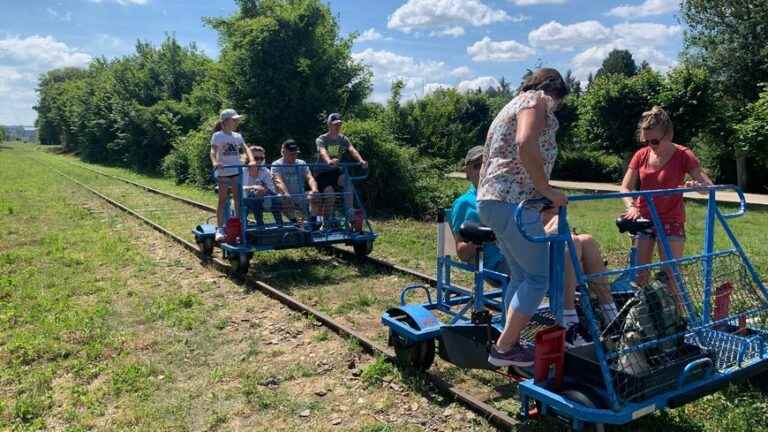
(695, 325)
(288, 221)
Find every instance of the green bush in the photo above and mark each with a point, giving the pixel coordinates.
(189, 161)
(400, 181)
(588, 165)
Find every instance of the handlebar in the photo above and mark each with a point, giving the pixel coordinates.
(712, 190)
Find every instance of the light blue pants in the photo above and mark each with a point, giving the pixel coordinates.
(528, 262)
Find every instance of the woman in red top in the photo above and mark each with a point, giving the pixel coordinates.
(660, 164)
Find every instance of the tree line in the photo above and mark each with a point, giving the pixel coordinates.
(285, 65)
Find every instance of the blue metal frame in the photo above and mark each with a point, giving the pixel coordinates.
(619, 412)
(315, 238)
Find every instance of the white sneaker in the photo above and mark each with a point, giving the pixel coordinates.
(220, 234)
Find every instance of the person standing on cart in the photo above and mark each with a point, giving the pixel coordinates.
(520, 152)
(260, 188)
(226, 145)
(334, 148)
(291, 174)
(660, 164)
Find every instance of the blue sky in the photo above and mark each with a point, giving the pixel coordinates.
(428, 43)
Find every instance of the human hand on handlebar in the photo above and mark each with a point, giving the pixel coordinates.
(557, 198)
(364, 163)
(632, 213)
(699, 186)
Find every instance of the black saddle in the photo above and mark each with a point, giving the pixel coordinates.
(476, 233)
(634, 227)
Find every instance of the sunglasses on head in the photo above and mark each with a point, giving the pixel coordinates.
(258, 158)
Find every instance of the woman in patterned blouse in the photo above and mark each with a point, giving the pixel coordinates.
(520, 151)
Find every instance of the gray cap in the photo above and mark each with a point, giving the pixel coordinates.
(229, 114)
(473, 154)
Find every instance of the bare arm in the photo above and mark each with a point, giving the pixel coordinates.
(311, 181)
(280, 183)
(250, 155)
(628, 185)
(214, 159)
(356, 155)
(530, 124)
(324, 155)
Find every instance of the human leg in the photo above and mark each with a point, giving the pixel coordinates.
(645, 246)
(528, 264)
(592, 262)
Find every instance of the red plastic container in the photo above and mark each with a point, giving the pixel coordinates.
(232, 230)
(549, 354)
(356, 220)
(722, 301)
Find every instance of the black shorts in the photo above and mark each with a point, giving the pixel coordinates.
(327, 178)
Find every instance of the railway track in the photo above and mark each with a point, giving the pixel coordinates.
(490, 413)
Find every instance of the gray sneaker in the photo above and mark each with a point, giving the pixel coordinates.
(518, 355)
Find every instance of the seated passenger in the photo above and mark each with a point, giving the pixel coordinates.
(464, 209)
(334, 148)
(588, 251)
(258, 187)
(290, 175)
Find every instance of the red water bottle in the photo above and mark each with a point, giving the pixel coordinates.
(357, 220)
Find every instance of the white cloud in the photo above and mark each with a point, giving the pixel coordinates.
(23, 60)
(442, 15)
(500, 51)
(369, 35)
(433, 87)
(536, 2)
(461, 72)
(647, 8)
(450, 31)
(480, 83)
(556, 36)
(643, 34)
(388, 67)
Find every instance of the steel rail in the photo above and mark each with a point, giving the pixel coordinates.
(490, 413)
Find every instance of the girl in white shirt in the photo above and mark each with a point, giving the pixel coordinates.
(225, 157)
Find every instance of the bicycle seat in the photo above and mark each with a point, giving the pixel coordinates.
(634, 227)
(476, 233)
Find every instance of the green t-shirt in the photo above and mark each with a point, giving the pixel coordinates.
(337, 148)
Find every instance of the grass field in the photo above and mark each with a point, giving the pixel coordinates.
(412, 243)
(104, 325)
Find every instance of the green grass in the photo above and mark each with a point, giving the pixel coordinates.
(335, 289)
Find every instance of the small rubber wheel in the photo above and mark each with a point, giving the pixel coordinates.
(363, 248)
(239, 264)
(417, 356)
(206, 247)
(580, 397)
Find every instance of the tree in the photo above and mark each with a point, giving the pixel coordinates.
(619, 62)
(730, 39)
(284, 64)
(611, 107)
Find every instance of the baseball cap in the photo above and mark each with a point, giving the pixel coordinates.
(473, 154)
(229, 114)
(334, 118)
(291, 146)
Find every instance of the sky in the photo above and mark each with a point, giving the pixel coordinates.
(430, 44)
